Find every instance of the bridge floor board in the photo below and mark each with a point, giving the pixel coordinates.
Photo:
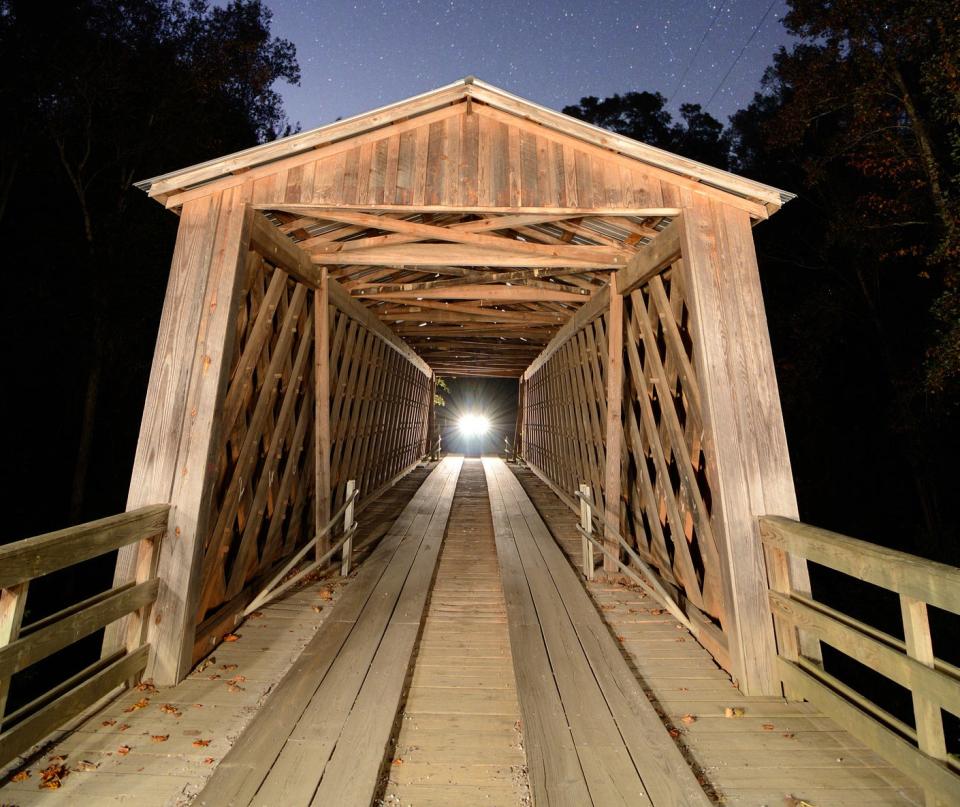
(496, 659)
(459, 740)
(776, 752)
(592, 737)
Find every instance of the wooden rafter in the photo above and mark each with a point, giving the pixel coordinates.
(461, 285)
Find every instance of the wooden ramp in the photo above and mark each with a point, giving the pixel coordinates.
(592, 736)
(776, 752)
(459, 741)
(322, 736)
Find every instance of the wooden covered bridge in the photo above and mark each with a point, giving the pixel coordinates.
(312, 606)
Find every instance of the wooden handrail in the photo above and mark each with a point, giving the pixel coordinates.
(910, 662)
(34, 557)
(22, 646)
(934, 583)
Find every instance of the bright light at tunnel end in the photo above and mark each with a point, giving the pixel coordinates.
(472, 425)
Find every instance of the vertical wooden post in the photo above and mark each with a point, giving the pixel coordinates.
(347, 558)
(13, 600)
(148, 558)
(586, 524)
(175, 460)
(745, 443)
(929, 721)
(432, 418)
(321, 341)
(614, 430)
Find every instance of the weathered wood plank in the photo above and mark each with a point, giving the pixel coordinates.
(29, 558)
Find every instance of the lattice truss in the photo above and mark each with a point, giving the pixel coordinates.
(378, 409)
(263, 500)
(666, 494)
(472, 292)
(565, 410)
(263, 497)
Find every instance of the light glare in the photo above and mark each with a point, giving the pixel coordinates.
(472, 425)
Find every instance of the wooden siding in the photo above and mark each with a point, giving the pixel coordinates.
(464, 155)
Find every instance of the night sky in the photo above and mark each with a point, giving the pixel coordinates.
(356, 56)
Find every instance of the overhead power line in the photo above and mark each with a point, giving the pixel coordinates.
(696, 53)
(753, 33)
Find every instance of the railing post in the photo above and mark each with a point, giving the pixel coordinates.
(138, 624)
(12, 602)
(321, 369)
(586, 524)
(928, 719)
(347, 527)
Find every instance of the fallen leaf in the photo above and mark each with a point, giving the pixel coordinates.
(20, 776)
(398, 761)
(206, 663)
(209, 761)
(621, 638)
(733, 711)
(106, 723)
(229, 666)
(768, 727)
(318, 608)
(325, 594)
(143, 703)
(237, 679)
(123, 750)
(608, 606)
(688, 719)
(123, 727)
(201, 743)
(231, 637)
(170, 709)
(255, 615)
(51, 777)
(146, 686)
(214, 677)
(159, 738)
(657, 611)
(789, 735)
(674, 733)
(86, 765)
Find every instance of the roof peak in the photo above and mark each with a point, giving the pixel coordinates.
(469, 87)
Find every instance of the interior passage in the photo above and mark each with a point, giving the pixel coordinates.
(459, 739)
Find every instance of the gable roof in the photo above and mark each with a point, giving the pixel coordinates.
(466, 89)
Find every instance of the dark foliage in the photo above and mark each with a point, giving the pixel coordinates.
(641, 115)
(861, 271)
(94, 95)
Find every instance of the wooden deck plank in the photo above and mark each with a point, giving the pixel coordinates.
(777, 749)
(276, 740)
(270, 643)
(556, 776)
(459, 739)
(636, 733)
(609, 773)
(350, 777)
